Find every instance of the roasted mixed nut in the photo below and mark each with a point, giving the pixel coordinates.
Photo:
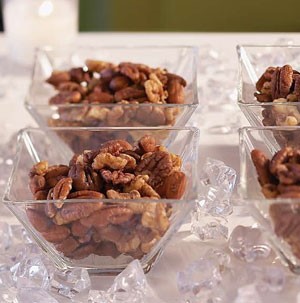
(111, 95)
(116, 170)
(279, 85)
(279, 177)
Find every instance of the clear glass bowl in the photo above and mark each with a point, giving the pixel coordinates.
(181, 60)
(278, 217)
(35, 145)
(253, 61)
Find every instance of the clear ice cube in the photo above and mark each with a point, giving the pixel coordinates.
(97, 296)
(207, 227)
(72, 282)
(131, 286)
(248, 244)
(31, 272)
(209, 217)
(198, 277)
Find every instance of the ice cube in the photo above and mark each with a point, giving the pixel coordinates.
(31, 272)
(98, 296)
(248, 244)
(198, 277)
(131, 286)
(209, 216)
(218, 182)
(72, 282)
(206, 227)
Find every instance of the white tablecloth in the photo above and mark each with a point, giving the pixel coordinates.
(183, 248)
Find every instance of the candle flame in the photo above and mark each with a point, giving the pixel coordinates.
(45, 9)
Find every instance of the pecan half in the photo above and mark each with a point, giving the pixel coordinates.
(116, 177)
(100, 97)
(129, 93)
(56, 233)
(119, 82)
(262, 163)
(136, 72)
(78, 74)
(97, 65)
(67, 246)
(85, 194)
(173, 186)
(83, 251)
(157, 166)
(297, 86)
(38, 220)
(62, 189)
(65, 97)
(39, 168)
(155, 90)
(37, 183)
(108, 160)
(84, 178)
(115, 147)
(105, 216)
(73, 211)
(281, 82)
(279, 159)
(265, 77)
(72, 87)
(112, 194)
(290, 174)
(55, 173)
(175, 92)
(147, 143)
(58, 77)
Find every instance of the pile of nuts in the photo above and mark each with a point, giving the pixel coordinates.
(116, 170)
(279, 85)
(280, 178)
(111, 95)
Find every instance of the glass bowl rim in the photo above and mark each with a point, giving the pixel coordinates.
(250, 45)
(243, 131)
(254, 103)
(6, 197)
(47, 49)
(246, 129)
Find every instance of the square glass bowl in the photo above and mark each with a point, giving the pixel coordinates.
(280, 217)
(181, 60)
(253, 61)
(102, 248)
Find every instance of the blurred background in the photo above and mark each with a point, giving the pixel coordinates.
(188, 15)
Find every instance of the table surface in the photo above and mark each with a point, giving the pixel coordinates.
(183, 248)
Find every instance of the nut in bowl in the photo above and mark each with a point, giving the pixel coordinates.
(270, 183)
(114, 86)
(100, 209)
(268, 92)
